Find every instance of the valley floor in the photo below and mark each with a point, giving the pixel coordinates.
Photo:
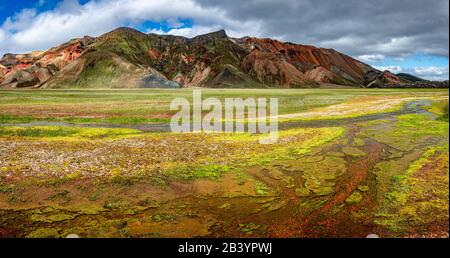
(102, 163)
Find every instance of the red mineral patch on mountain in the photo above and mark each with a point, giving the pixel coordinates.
(307, 58)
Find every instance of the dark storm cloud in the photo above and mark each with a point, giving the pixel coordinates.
(391, 28)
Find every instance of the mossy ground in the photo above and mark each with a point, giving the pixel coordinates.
(387, 176)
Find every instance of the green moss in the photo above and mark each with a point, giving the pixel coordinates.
(337, 208)
(396, 155)
(51, 218)
(355, 197)
(86, 209)
(61, 195)
(94, 197)
(319, 175)
(353, 152)
(302, 192)
(335, 154)
(404, 204)
(44, 233)
(225, 206)
(9, 119)
(440, 108)
(415, 125)
(306, 206)
(408, 132)
(288, 181)
(277, 205)
(117, 203)
(260, 155)
(149, 203)
(358, 142)
(323, 190)
(363, 188)
(196, 172)
(6, 188)
(13, 199)
(118, 179)
(261, 189)
(163, 217)
(328, 134)
(65, 133)
(249, 228)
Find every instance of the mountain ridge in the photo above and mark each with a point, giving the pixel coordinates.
(128, 58)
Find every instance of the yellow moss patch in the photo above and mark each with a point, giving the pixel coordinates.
(420, 195)
(58, 133)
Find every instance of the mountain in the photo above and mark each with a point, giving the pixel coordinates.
(127, 58)
(409, 77)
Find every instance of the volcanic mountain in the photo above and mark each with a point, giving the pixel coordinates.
(127, 58)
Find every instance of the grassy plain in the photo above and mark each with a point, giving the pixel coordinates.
(143, 106)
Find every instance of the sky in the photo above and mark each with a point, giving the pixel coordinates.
(410, 36)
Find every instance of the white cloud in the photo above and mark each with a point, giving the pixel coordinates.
(19, 21)
(175, 23)
(343, 42)
(432, 73)
(371, 58)
(394, 45)
(392, 68)
(31, 31)
(156, 31)
(431, 70)
(186, 32)
(191, 32)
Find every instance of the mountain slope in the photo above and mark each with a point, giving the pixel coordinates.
(409, 77)
(127, 58)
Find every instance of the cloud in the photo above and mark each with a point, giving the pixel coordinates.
(391, 28)
(194, 31)
(371, 57)
(392, 69)
(29, 30)
(433, 73)
(431, 70)
(19, 21)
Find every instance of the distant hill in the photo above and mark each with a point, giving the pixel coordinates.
(409, 77)
(127, 58)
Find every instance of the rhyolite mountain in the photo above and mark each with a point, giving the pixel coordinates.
(127, 58)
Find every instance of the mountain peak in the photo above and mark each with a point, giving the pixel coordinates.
(124, 31)
(220, 34)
